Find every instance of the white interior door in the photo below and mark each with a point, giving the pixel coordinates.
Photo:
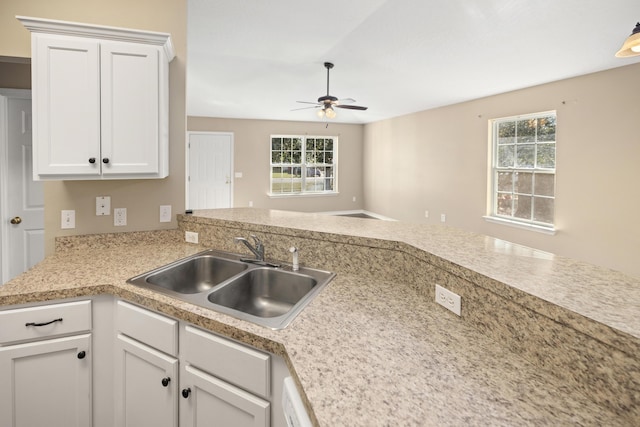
(209, 172)
(22, 198)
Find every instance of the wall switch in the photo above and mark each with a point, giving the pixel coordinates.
(68, 219)
(448, 299)
(250, 204)
(120, 217)
(103, 205)
(426, 214)
(238, 174)
(191, 237)
(443, 218)
(354, 198)
(165, 213)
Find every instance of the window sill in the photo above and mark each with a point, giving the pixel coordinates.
(294, 195)
(531, 227)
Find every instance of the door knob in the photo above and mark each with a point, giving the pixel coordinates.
(17, 220)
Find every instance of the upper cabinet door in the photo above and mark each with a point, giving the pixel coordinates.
(130, 108)
(66, 102)
(100, 101)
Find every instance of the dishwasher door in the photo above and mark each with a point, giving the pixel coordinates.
(294, 412)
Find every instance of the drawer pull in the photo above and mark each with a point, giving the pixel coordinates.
(43, 324)
(186, 392)
(165, 381)
(81, 355)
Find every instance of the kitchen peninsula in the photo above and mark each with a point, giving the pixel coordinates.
(534, 345)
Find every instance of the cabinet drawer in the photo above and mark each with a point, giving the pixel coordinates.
(153, 329)
(44, 321)
(235, 363)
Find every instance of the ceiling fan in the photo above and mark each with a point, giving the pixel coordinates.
(328, 103)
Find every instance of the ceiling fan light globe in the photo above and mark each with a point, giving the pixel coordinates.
(331, 113)
(320, 113)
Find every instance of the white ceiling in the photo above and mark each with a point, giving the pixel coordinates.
(256, 58)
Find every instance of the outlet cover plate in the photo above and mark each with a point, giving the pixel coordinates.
(448, 299)
(120, 217)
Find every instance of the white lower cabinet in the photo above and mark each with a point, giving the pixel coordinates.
(220, 382)
(46, 379)
(209, 401)
(146, 382)
(107, 363)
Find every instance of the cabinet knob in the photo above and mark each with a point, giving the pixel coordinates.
(105, 160)
(81, 355)
(186, 392)
(92, 160)
(165, 381)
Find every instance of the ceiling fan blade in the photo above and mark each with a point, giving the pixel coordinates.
(351, 107)
(308, 102)
(305, 108)
(346, 101)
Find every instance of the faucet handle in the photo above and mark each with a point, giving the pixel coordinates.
(256, 240)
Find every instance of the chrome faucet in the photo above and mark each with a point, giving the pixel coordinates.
(258, 250)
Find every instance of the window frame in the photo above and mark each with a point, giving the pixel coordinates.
(304, 166)
(536, 170)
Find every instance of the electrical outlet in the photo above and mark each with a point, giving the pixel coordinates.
(120, 217)
(165, 213)
(426, 214)
(191, 237)
(68, 219)
(443, 218)
(448, 299)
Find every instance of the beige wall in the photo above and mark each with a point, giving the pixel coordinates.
(142, 198)
(437, 160)
(15, 75)
(251, 157)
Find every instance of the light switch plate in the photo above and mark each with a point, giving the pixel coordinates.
(165, 213)
(103, 205)
(68, 219)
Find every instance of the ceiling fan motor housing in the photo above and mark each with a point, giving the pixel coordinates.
(327, 99)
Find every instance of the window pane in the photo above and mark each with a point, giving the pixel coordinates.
(276, 143)
(505, 181)
(524, 183)
(506, 156)
(310, 144)
(526, 131)
(296, 157)
(276, 157)
(545, 184)
(522, 207)
(296, 144)
(328, 144)
(526, 156)
(546, 155)
(506, 133)
(547, 128)
(543, 210)
(504, 204)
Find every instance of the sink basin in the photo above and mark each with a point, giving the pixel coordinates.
(192, 275)
(261, 293)
(264, 292)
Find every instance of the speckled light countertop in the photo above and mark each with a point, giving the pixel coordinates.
(366, 352)
(603, 295)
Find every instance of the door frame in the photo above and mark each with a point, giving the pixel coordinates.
(186, 163)
(5, 94)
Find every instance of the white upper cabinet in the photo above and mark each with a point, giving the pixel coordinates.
(100, 101)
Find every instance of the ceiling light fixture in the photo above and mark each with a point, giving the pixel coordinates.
(631, 46)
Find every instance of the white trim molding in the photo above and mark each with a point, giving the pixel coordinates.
(66, 28)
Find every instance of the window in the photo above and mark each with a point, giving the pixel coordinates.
(303, 164)
(524, 168)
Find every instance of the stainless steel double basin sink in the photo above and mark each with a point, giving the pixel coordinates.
(258, 292)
